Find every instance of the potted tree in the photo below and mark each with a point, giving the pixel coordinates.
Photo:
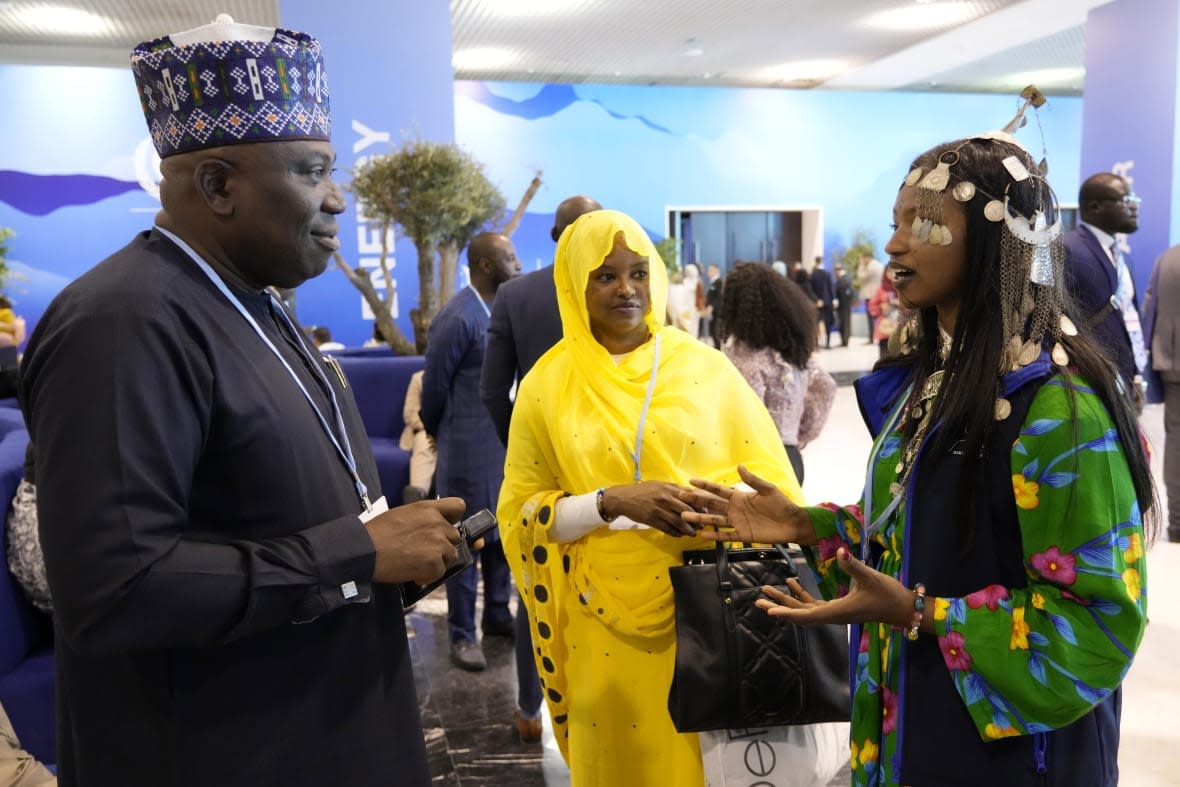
(438, 196)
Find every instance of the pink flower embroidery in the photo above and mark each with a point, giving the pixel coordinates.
(864, 641)
(990, 596)
(828, 547)
(888, 711)
(953, 653)
(1055, 566)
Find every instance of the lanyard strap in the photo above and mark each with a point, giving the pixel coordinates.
(651, 387)
(871, 525)
(343, 451)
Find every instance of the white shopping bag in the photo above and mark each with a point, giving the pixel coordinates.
(804, 755)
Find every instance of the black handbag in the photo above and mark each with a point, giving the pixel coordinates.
(736, 666)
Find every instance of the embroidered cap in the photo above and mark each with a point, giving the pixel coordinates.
(227, 84)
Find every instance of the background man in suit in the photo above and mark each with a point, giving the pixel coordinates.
(844, 296)
(1161, 310)
(469, 455)
(821, 285)
(1098, 276)
(525, 323)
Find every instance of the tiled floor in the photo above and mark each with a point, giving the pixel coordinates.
(468, 716)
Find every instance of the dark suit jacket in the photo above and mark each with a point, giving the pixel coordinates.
(1161, 318)
(525, 324)
(1091, 281)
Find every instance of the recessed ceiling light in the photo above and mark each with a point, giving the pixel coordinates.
(926, 16)
(59, 19)
(822, 68)
(480, 58)
(1045, 77)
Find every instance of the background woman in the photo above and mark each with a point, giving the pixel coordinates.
(885, 311)
(999, 598)
(768, 329)
(604, 426)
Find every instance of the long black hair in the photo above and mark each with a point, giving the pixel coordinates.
(965, 406)
(761, 308)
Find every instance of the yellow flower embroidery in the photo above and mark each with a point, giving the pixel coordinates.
(1038, 600)
(868, 752)
(855, 751)
(1131, 578)
(993, 732)
(885, 642)
(851, 530)
(1026, 492)
(941, 605)
(1020, 630)
(1134, 549)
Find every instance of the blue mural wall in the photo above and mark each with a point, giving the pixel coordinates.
(77, 173)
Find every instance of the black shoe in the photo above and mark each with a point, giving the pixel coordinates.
(500, 630)
(468, 655)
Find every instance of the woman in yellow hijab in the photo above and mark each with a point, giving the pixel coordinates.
(605, 426)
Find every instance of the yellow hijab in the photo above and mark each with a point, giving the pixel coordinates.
(574, 430)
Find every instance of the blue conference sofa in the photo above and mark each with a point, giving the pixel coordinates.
(379, 380)
(26, 634)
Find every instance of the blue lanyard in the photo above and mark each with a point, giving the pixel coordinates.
(345, 451)
(870, 525)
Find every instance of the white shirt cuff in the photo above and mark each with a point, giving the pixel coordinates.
(575, 516)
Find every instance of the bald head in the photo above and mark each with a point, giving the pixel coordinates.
(491, 261)
(569, 210)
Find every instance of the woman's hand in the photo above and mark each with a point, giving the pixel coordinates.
(873, 597)
(653, 503)
(764, 516)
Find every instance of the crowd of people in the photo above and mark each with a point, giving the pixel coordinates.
(220, 541)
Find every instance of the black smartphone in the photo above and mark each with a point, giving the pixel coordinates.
(472, 529)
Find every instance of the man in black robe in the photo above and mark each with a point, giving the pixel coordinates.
(222, 566)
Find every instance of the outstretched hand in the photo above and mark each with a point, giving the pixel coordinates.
(764, 516)
(873, 597)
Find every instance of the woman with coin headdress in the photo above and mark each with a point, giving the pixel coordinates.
(994, 568)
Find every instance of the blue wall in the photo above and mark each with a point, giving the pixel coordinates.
(638, 149)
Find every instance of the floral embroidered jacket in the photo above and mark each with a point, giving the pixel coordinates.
(1038, 615)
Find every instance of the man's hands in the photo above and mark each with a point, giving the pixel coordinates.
(764, 516)
(417, 541)
(874, 597)
(653, 503)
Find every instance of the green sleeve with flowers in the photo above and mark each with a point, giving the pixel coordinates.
(835, 527)
(1033, 659)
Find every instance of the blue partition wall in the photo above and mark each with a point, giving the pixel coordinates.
(77, 173)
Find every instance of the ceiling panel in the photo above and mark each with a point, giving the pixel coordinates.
(765, 43)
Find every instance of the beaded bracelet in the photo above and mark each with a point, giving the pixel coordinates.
(601, 511)
(919, 609)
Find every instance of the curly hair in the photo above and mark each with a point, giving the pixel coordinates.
(761, 308)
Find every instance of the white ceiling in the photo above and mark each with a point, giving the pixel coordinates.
(956, 45)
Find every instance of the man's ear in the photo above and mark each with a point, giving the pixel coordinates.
(214, 181)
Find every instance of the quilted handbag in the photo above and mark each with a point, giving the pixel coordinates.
(736, 666)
